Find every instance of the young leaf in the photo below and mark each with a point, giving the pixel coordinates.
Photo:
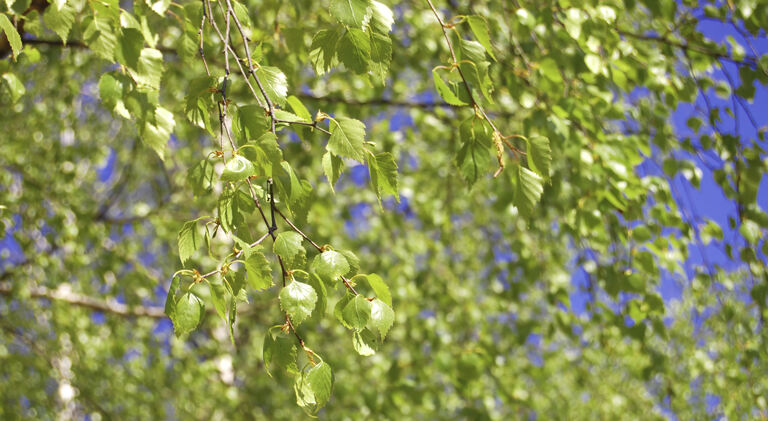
(298, 300)
(382, 316)
(11, 34)
(149, 69)
(354, 263)
(288, 245)
(347, 136)
(238, 168)
(379, 288)
(353, 13)
(474, 156)
(320, 380)
(339, 309)
(354, 50)
(528, 190)
(480, 29)
(322, 295)
(189, 241)
(258, 271)
(330, 265)
(323, 50)
(279, 351)
(381, 55)
(357, 312)
(298, 107)
(382, 18)
(252, 121)
(60, 21)
(201, 177)
(333, 167)
(156, 131)
(14, 85)
(274, 82)
(189, 312)
(170, 300)
(539, 155)
(365, 342)
(445, 92)
(218, 296)
(383, 171)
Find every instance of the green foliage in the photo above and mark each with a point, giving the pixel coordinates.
(528, 194)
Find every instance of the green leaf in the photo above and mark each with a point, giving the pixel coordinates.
(338, 310)
(539, 155)
(274, 82)
(112, 88)
(383, 171)
(381, 55)
(333, 166)
(474, 156)
(357, 312)
(279, 351)
(129, 46)
(528, 190)
(201, 177)
(258, 271)
(298, 300)
(160, 6)
(251, 121)
(189, 312)
(288, 245)
(382, 18)
(11, 34)
(14, 85)
(218, 296)
(379, 288)
(354, 13)
(323, 50)
(330, 265)
(170, 299)
(149, 69)
(354, 263)
(365, 342)
(298, 107)
(480, 28)
(156, 132)
(189, 240)
(60, 21)
(322, 295)
(100, 35)
(238, 168)
(320, 380)
(199, 101)
(354, 50)
(347, 137)
(446, 93)
(382, 316)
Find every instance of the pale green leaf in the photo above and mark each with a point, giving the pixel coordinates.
(189, 240)
(380, 288)
(258, 271)
(382, 316)
(322, 53)
(354, 13)
(14, 85)
(274, 82)
(330, 265)
(238, 168)
(347, 137)
(539, 155)
(333, 166)
(354, 50)
(11, 34)
(480, 28)
(60, 21)
(357, 312)
(279, 351)
(298, 300)
(188, 314)
(528, 190)
(365, 342)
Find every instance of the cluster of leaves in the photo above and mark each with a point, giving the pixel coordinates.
(504, 311)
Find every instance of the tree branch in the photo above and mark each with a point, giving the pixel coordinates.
(64, 295)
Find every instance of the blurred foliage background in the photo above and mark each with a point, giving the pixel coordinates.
(635, 289)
